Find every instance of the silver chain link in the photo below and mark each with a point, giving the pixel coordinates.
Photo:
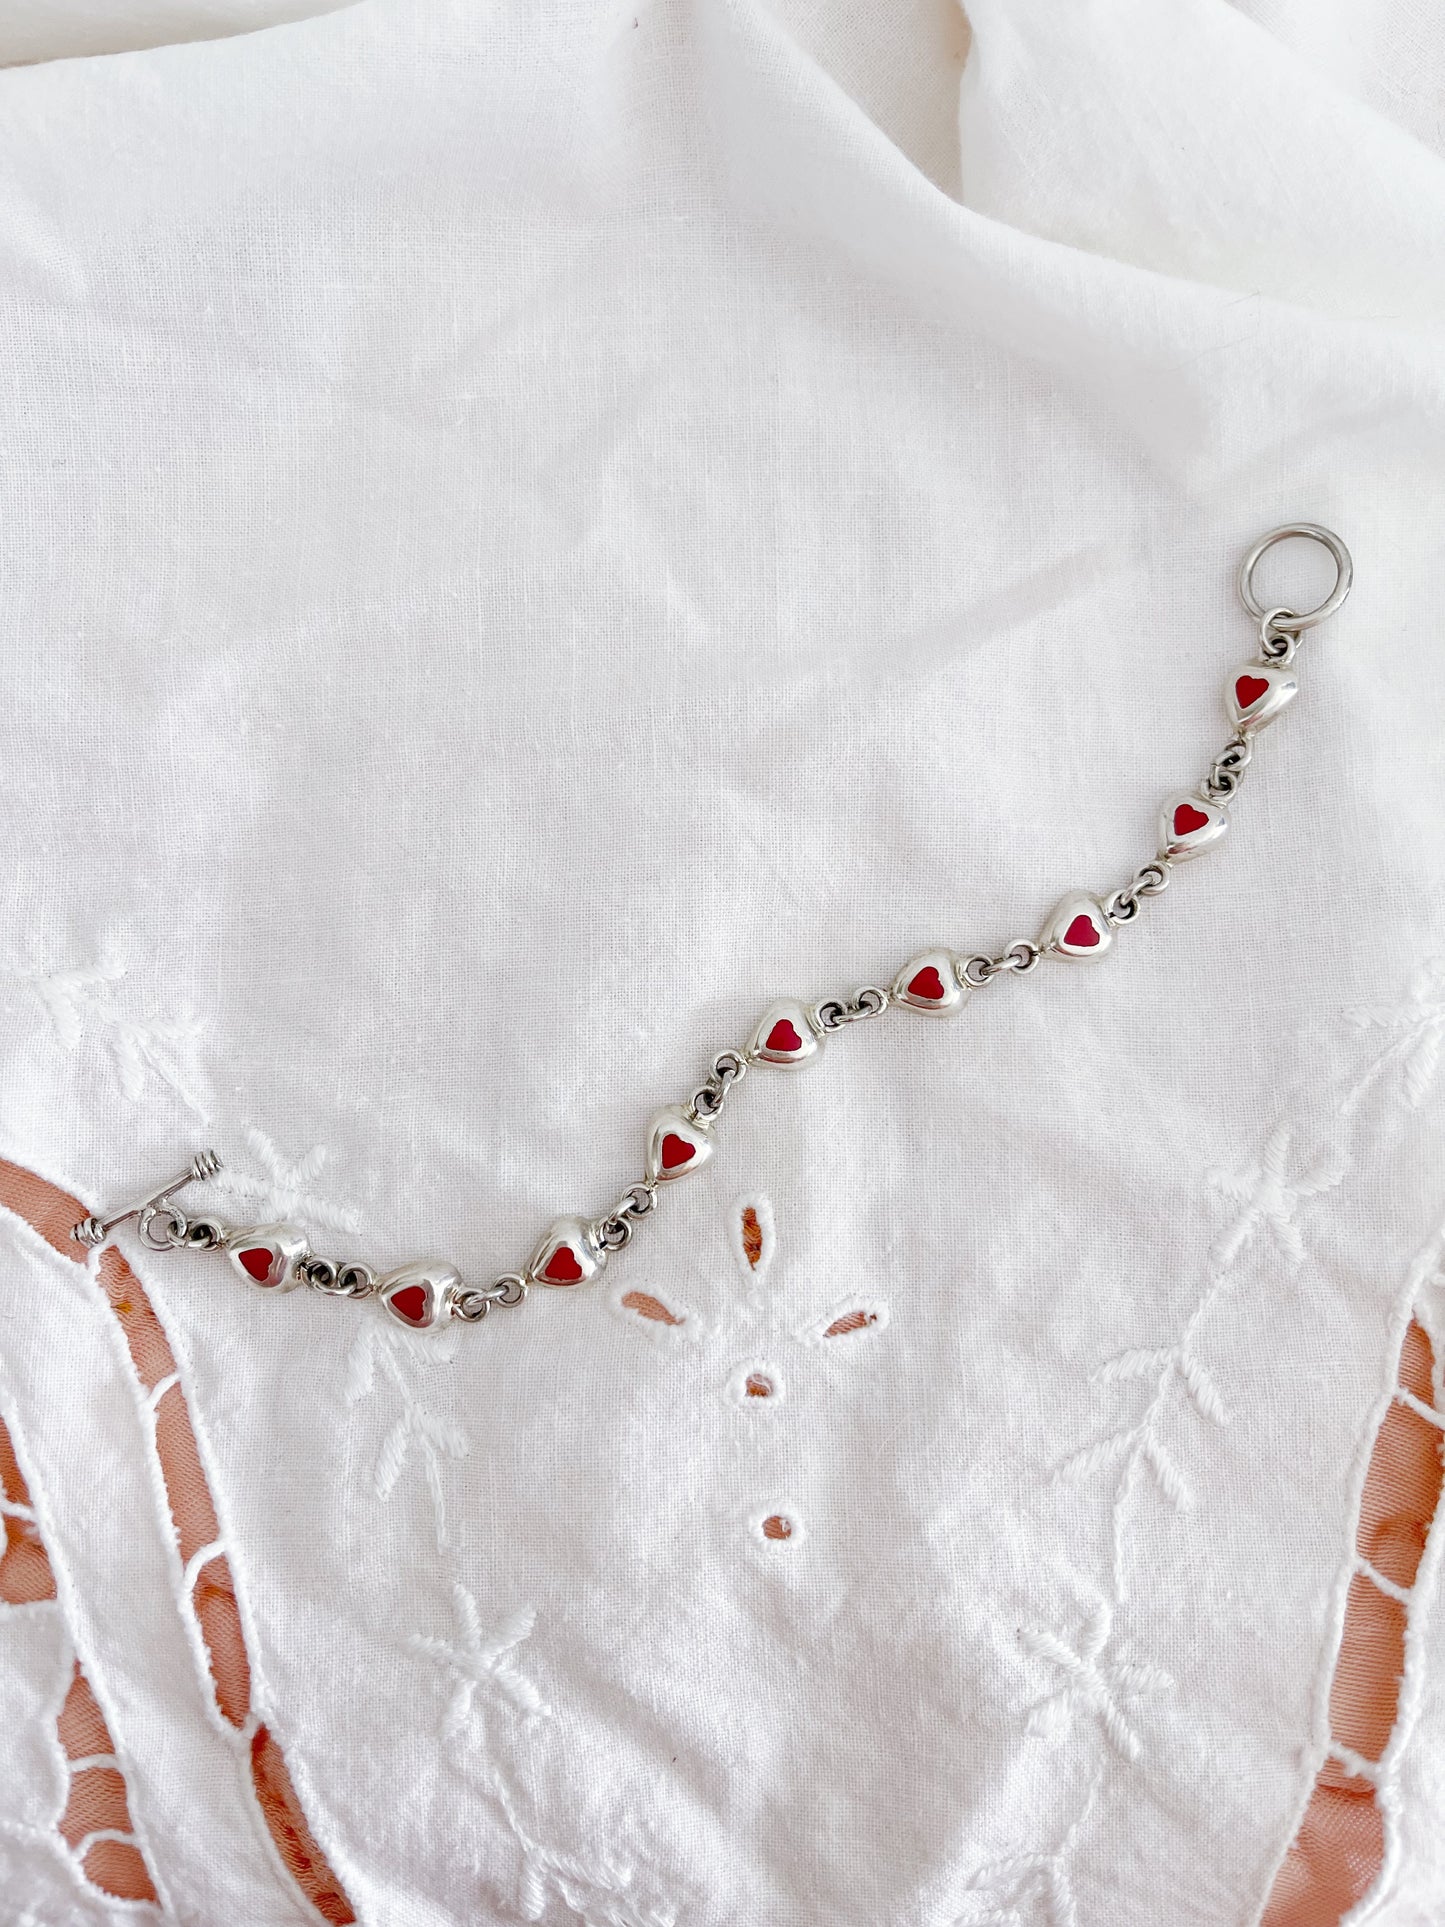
(833, 1012)
(473, 1302)
(1226, 772)
(338, 1277)
(1020, 957)
(615, 1230)
(1150, 880)
(729, 1067)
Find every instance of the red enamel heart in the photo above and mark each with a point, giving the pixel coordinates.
(1187, 819)
(676, 1150)
(783, 1037)
(928, 984)
(1081, 933)
(256, 1261)
(411, 1303)
(562, 1267)
(1249, 689)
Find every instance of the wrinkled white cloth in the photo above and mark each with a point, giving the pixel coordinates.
(63, 29)
(528, 531)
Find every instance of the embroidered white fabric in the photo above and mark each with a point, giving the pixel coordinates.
(528, 531)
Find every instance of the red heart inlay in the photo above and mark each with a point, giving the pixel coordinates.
(256, 1262)
(676, 1150)
(783, 1037)
(928, 984)
(1187, 819)
(411, 1303)
(1249, 689)
(562, 1267)
(1081, 933)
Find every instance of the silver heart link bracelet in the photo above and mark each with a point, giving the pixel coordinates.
(574, 1250)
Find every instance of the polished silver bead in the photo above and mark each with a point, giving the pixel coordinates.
(566, 1254)
(269, 1255)
(677, 1145)
(1258, 692)
(419, 1295)
(1189, 824)
(784, 1035)
(1079, 928)
(932, 982)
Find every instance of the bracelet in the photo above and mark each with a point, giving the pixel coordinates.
(574, 1250)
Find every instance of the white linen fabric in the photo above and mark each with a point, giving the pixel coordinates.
(65, 28)
(530, 529)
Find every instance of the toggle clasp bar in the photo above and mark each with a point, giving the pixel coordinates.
(95, 1231)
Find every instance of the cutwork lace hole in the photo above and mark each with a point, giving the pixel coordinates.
(646, 1306)
(1339, 1849)
(755, 1386)
(853, 1321)
(781, 1524)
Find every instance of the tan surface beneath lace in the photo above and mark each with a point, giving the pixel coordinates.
(1331, 1864)
(1337, 1853)
(97, 1793)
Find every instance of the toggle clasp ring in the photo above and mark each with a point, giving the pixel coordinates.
(1344, 576)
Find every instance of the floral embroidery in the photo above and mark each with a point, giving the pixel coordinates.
(753, 1383)
(85, 998)
(1266, 1200)
(1086, 1679)
(284, 1190)
(1019, 1891)
(477, 1660)
(1141, 1446)
(1416, 1028)
(1029, 1889)
(381, 1346)
(483, 1668)
(1269, 1197)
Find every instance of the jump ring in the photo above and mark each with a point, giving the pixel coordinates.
(613, 1233)
(1279, 634)
(163, 1228)
(1313, 532)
